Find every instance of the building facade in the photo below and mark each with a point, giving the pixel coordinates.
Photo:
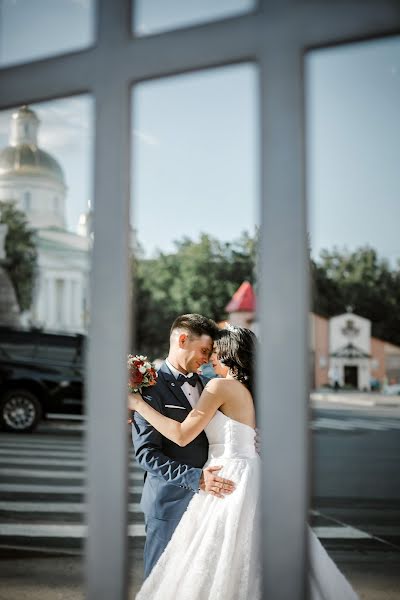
(34, 181)
(342, 351)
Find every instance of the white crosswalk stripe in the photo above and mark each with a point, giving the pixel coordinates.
(43, 474)
(54, 507)
(56, 462)
(41, 462)
(53, 489)
(27, 453)
(41, 446)
(59, 530)
(45, 530)
(343, 533)
(43, 481)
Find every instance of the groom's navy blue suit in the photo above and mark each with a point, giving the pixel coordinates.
(172, 473)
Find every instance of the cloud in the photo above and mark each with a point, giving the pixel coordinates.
(146, 138)
(64, 124)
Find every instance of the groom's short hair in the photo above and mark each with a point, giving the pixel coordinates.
(196, 325)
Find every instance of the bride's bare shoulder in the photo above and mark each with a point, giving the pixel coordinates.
(219, 385)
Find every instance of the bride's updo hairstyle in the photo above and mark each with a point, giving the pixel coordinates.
(236, 349)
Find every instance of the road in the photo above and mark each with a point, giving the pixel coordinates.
(355, 506)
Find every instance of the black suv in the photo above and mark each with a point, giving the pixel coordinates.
(40, 373)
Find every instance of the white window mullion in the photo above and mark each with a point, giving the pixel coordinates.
(108, 344)
(107, 442)
(275, 37)
(283, 310)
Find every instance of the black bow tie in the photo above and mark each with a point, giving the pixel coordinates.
(193, 379)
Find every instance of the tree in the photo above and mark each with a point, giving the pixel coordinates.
(198, 277)
(363, 281)
(21, 253)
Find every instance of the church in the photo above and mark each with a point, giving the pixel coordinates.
(34, 181)
(342, 350)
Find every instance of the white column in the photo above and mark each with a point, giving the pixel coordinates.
(67, 305)
(72, 308)
(79, 305)
(41, 303)
(50, 316)
(76, 304)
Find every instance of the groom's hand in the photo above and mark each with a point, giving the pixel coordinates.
(211, 483)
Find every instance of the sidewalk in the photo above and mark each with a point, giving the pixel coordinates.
(355, 399)
(374, 577)
(44, 577)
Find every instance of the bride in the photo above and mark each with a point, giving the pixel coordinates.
(214, 550)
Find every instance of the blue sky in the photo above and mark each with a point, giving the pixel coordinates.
(353, 115)
(195, 137)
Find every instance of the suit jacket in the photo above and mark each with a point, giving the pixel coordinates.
(172, 472)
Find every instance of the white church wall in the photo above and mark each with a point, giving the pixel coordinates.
(340, 332)
(59, 305)
(45, 205)
(60, 302)
(34, 180)
(336, 369)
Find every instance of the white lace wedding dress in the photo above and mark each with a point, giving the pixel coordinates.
(213, 553)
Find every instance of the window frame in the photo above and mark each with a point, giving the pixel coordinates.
(275, 37)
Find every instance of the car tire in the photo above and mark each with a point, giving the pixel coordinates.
(20, 411)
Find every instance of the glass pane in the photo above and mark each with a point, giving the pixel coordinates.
(33, 30)
(154, 16)
(353, 116)
(194, 217)
(45, 242)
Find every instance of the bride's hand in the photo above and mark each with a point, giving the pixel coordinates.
(134, 401)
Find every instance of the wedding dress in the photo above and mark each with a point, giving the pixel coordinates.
(214, 550)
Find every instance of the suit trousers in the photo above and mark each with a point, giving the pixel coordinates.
(158, 534)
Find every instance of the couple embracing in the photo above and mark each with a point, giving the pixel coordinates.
(195, 439)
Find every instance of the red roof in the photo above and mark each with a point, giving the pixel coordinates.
(244, 299)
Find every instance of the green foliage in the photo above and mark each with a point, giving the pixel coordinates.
(198, 277)
(21, 254)
(201, 276)
(362, 281)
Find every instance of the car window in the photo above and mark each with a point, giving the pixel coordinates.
(18, 345)
(59, 349)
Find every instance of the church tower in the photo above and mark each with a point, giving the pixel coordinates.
(34, 181)
(31, 177)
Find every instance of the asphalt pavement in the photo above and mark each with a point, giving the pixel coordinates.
(355, 507)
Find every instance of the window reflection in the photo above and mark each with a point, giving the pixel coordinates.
(155, 16)
(45, 183)
(32, 30)
(353, 95)
(195, 213)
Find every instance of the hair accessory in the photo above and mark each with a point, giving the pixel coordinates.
(230, 327)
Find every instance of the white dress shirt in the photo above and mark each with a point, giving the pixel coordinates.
(191, 392)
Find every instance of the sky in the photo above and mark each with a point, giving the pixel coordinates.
(195, 137)
(353, 146)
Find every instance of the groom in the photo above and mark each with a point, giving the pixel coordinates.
(174, 473)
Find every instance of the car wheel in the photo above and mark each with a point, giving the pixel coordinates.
(20, 411)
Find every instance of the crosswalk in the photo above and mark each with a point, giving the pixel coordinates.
(42, 495)
(42, 492)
